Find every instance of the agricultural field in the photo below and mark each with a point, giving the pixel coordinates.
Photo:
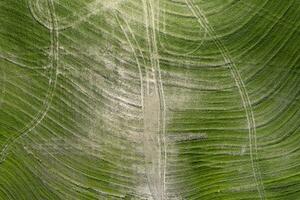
(149, 99)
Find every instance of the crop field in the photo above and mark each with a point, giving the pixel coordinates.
(149, 99)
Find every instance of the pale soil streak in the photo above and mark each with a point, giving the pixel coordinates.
(154, 111)
(243, 93)
(136, 59)
(150, 114)
(52, 85)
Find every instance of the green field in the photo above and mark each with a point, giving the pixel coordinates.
(150, 99)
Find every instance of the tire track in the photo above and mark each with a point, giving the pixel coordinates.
(164, 31)
(154, 116)
(52, 85)
(93, 8)
(135, 57)
(243, 93)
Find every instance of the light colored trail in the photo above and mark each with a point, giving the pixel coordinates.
(151, 115)
(197, 12)
(154, 110)
(52, 85)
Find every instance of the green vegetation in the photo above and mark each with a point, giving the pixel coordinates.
(149, 99)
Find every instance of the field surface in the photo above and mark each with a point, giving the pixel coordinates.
(149, 99)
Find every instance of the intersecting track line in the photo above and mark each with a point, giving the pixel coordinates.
(52, 85)
(197, 12)
(151, 30)
(164, 31)
(67, 25)
(135, 56)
